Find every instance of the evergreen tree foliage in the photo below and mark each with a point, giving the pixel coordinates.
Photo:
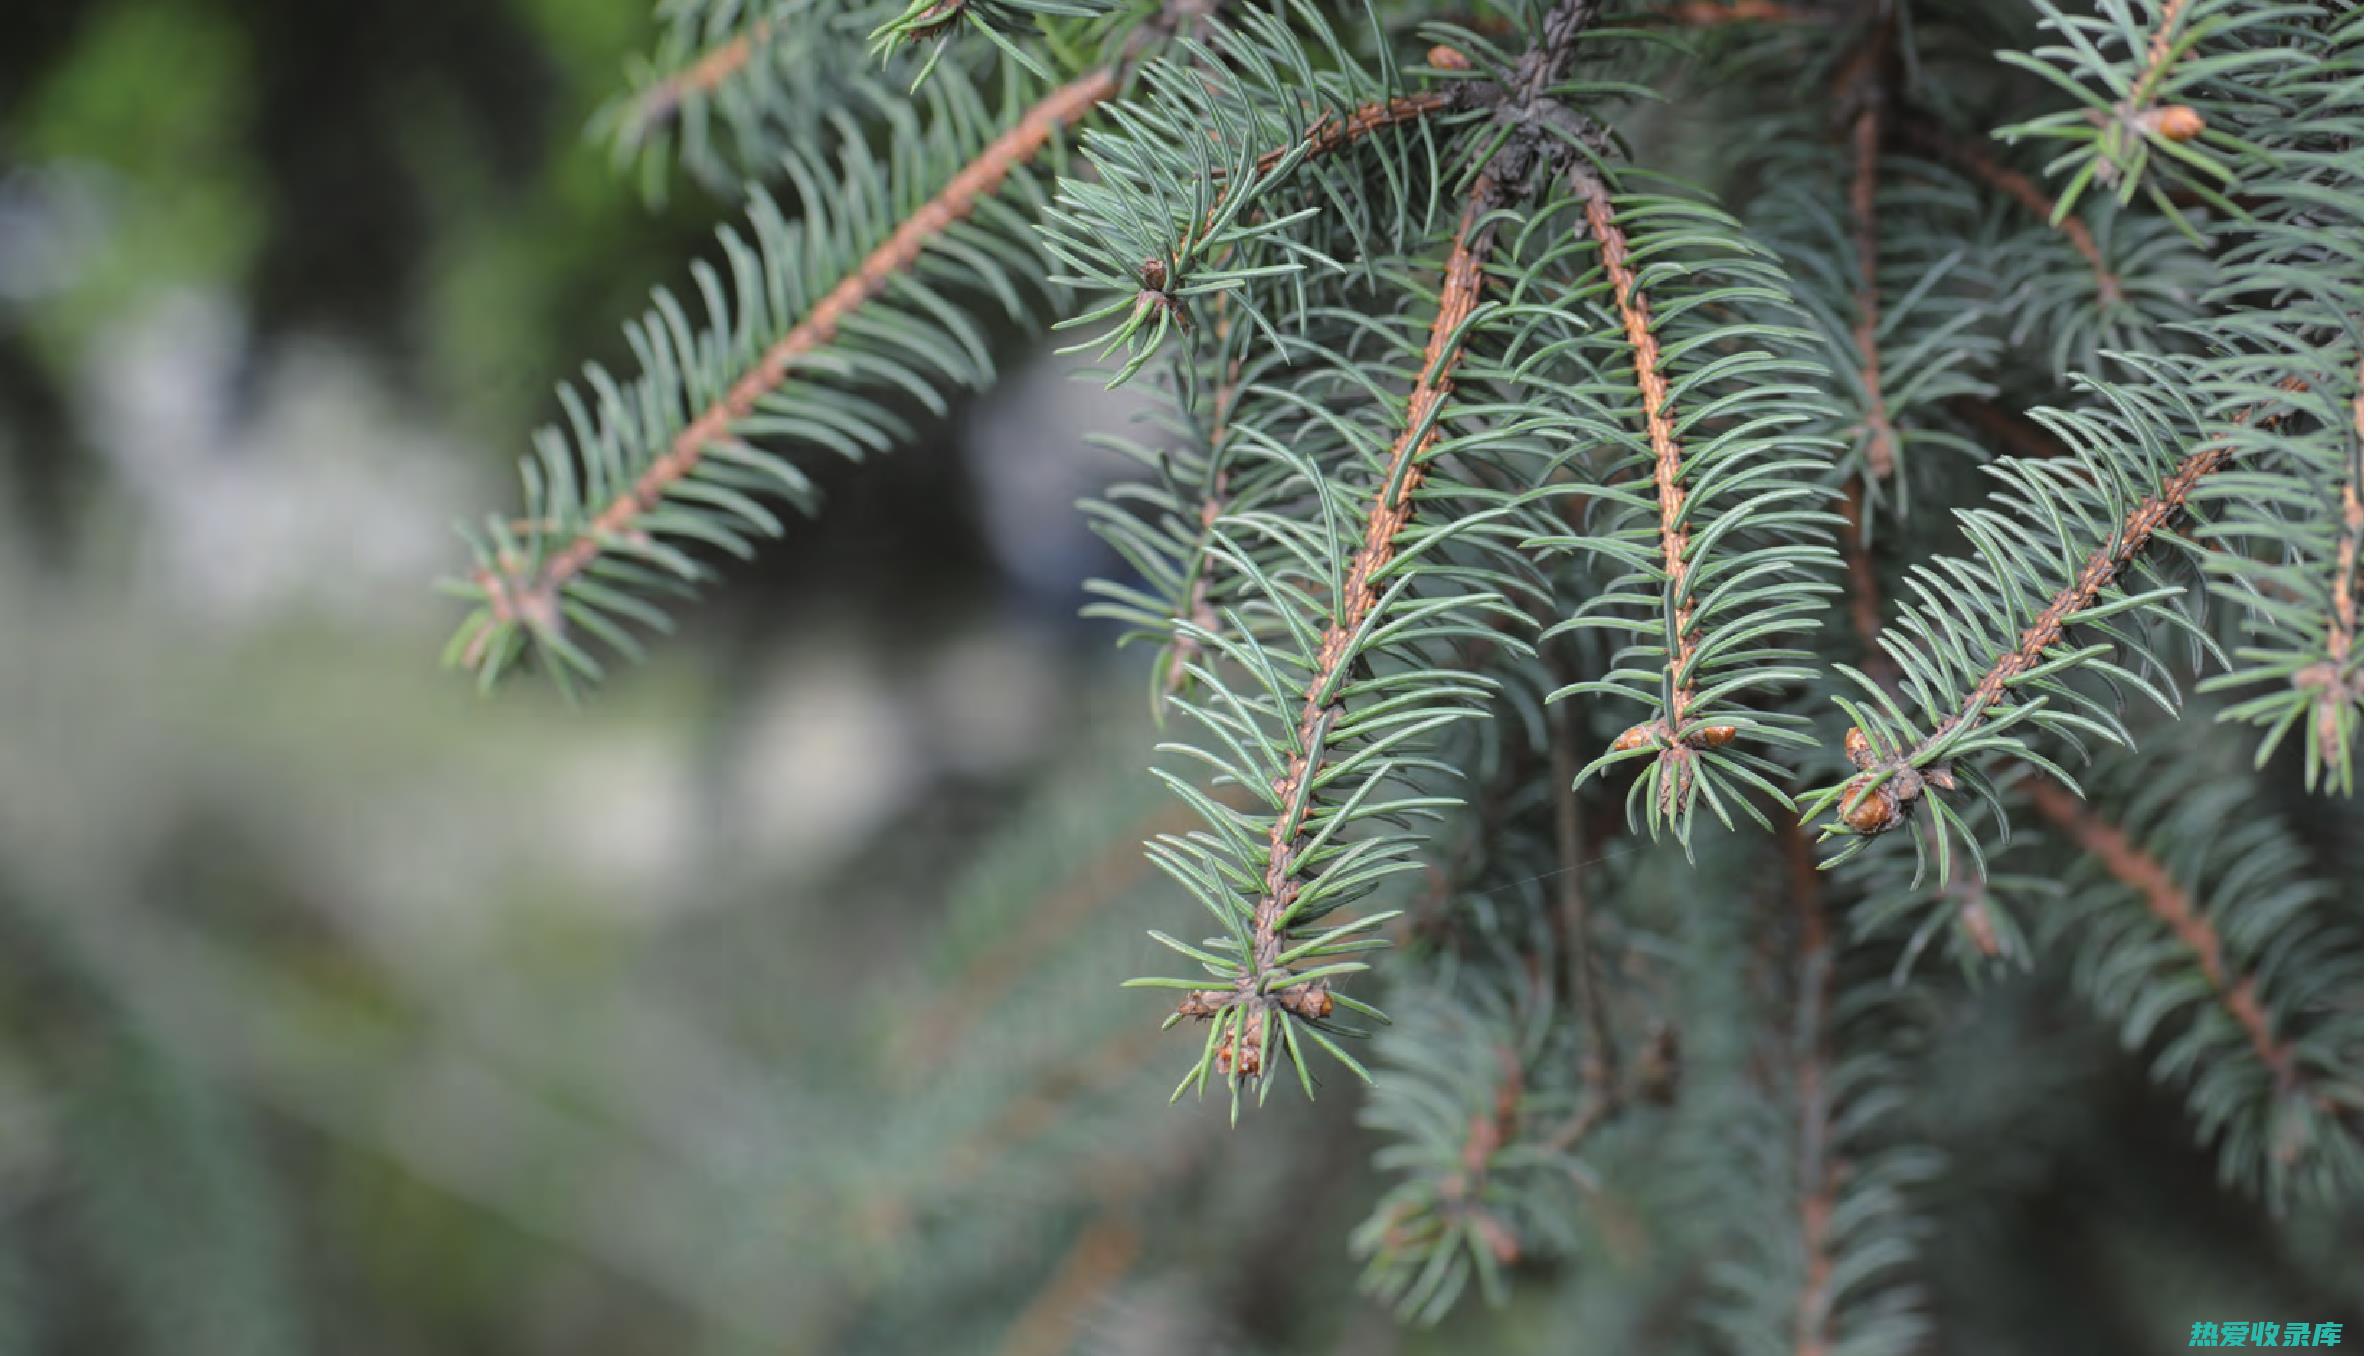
(1691, 545)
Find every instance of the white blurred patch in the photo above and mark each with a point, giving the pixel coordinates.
(1026, 446)
(989, 695)
(826, 755)
(325, 497)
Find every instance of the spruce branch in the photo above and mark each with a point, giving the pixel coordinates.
(1336, 131)
(2154, 109)
(2334, 683)
(733, 87)
(1229, 153)
(1266, 987)
(2163, 897)
(2016, 185)
(1164, 523)
(1825, 1259)
(1483, 1133)
(1896, 766)
(1195, 608)
(537, 596)
(538, 588)
(1673, 736)
(1722, 616)
(2196, 926)
(663, 99)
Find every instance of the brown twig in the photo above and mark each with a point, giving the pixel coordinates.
(2133, 865)
(514, 594)
(2018, 186)
(1393, 507)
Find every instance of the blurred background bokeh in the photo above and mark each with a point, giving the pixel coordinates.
(766, 1004)
(344, 1010)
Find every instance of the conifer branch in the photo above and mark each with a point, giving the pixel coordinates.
(1871, 802)
(1456, 1203)
(704, 73)
(2126, 129)
(532, 596)
(1336, 131)
(2196, 924)
(1476, 1101)
(1392, 509)
(2026, 194)
(2129, 862)
(1678, 743)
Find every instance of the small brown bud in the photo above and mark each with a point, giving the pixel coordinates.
(1869, 812)
(1632, 738)
(1201, 1003)
(2176, 123)
(1445, 58)
(1311, 1001)
(1862, 753)
(1154, 274)
(1242, 1057)
(1715, 736)
(1245, 1063)
(1940, 777)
